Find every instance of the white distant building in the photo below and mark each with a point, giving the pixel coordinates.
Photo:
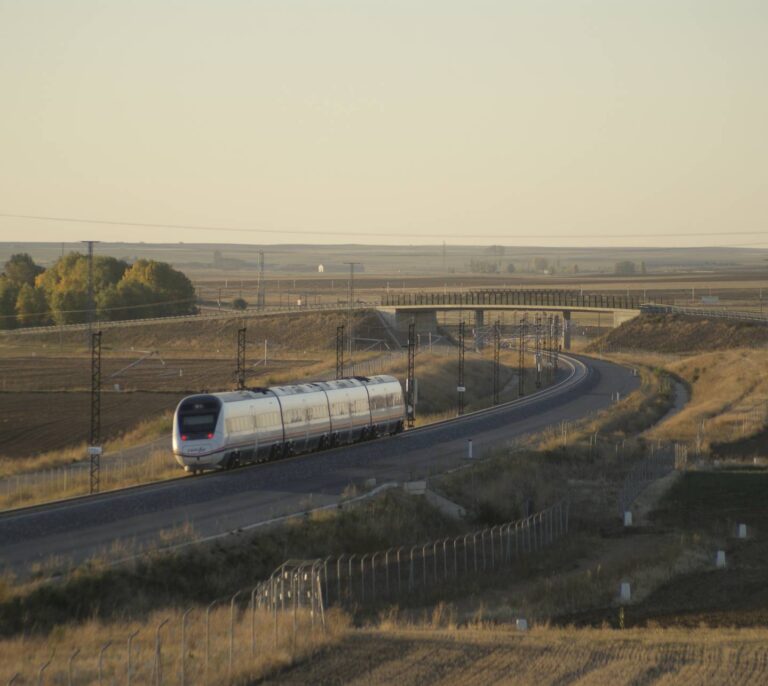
(320, 268)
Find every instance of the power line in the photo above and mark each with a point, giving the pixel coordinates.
(357, 234)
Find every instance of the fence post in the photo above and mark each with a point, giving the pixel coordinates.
(362, 577)
(208, 636)
(373, 576)
(74, 654)
(159, 654)
(184, 646)
(101, 659)
(44, 666)
(253, 620)
(130, 664)
(232, 632)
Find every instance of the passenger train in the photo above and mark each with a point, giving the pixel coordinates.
(223, 430)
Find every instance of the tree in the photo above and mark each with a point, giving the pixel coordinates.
(21, 269)
(31, 306)
(9, 291)
(625, 267)
(239, 304)
(643, 269)
(511, 268)
(170, 290)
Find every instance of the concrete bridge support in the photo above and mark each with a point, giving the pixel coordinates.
(566, 329)
(425, 320)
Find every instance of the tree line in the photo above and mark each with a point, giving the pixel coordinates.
(33, 296)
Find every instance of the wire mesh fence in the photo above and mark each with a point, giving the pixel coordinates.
(659, 462)
(140, 464)
(223, 641)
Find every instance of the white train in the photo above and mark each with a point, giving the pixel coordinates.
(223, 430)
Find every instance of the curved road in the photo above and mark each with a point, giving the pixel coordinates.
(222, 502)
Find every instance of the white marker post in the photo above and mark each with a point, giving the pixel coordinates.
(470, 454)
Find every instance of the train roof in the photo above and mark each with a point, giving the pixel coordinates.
(298, 389)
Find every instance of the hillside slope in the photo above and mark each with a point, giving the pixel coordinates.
(674, 333)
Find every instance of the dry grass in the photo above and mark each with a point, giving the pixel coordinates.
(258, 649)
(144, 432)
(729, 399)
(56, 484)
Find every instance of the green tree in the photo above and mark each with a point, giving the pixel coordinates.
(9, 291)
(21, 269)
(169, 290)
(31, 306)
(239, 304)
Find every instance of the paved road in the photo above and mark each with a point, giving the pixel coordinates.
(227, 501)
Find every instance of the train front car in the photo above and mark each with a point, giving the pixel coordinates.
(198, 435)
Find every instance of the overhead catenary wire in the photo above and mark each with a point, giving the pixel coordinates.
(324, 231)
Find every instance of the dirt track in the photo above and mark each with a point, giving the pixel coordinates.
(503, 656)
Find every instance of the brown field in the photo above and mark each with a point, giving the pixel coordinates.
(501, 655)
(34, 423)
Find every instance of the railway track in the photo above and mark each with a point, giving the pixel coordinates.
(218, 503)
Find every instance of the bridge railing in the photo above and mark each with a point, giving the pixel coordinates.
(524, 297)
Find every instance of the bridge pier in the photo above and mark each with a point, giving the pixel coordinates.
(566, 329)
(425, 320)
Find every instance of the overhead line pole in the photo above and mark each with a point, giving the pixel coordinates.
(350, 305)
(240, 373)
(496, 355)
(94, 447)
(460, 388)
(521, 355)
(340, 351)
(537, 348)
(410, 382)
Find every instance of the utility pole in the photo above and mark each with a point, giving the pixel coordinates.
(556, 346)
(90, 286)
(410, 382)
(260, 298)
(240, 373)
(340, 351)
(94, 449)
(460, 388)
(537, 347)
(496, 355)
(523, 331)
(550, 343)
(350, 310)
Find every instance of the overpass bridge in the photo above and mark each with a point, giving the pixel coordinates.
(423, 307)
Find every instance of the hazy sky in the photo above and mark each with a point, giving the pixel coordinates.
(537, 122)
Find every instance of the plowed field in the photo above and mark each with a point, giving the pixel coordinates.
(502, 656)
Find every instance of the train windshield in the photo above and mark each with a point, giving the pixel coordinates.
(198, 423)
